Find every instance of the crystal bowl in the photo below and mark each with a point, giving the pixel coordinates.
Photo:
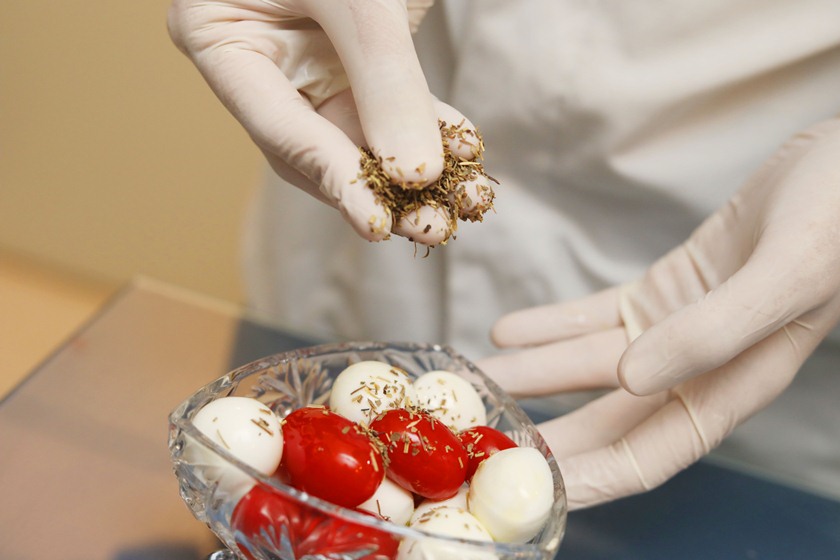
(291, 380)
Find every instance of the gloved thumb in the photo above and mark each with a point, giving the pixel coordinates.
(708, 330)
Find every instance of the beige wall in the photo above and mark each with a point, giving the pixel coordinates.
(115, 158)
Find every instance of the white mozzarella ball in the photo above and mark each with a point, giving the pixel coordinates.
(365, 389)
(391, 501)
(245, 428)
(512, 493)
(459, 500)
(451, 522)
(451, 399)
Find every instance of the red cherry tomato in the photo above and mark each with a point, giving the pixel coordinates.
(329, 456)
(480, 442)
(346, 539)
(267, 521)
(424, 456)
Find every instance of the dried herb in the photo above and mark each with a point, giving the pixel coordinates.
(448, 192)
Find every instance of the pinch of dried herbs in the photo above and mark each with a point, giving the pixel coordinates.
(447, 193)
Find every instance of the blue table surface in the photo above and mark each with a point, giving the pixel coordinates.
(707, 511)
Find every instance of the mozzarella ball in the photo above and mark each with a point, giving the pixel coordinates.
(459, 500)
(450, 522)
(512, 494)
(391, 501)
(245, 428)
(365, 389)
(451, 399)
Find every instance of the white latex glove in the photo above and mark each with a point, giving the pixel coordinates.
(712, 333)
(282, 68)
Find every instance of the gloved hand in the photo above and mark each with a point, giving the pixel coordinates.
(282, 68)
(713, 332)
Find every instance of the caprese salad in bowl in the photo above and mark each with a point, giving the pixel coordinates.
(378, 451)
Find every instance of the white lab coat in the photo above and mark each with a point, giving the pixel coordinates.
(613, 128)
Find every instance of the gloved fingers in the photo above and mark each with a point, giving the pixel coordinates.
(699, 414)
(761, 297)
(599, 422)
(582, 363)
(395, 106)
(549, 323)
(430, 226)
(356, 203)
(426, 225)
(475, 196)
(460, 136)
(284, 124)
(464, 142)
(340, 110)
(725, 397)
(649, 454)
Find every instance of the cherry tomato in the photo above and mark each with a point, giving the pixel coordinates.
(329, 456)
(346, 539)
(424, 456)
(270, 522)
(480, 442)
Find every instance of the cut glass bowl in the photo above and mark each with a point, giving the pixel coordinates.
(291, 380)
